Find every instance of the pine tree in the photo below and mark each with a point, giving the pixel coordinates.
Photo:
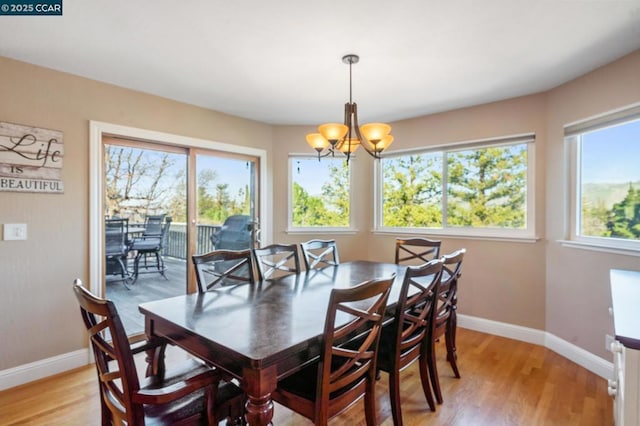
(487, 187)
(624, 219)
(412, 191)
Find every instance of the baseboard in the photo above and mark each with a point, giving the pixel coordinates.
(586, 359)
(43, 368)
(47, 367)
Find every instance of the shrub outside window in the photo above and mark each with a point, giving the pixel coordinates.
(606, 180)
(479, 188)
(319, 193)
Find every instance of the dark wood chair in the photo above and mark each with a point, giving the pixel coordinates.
(151, 244)
(223, 267)
(416, 251)
(445, 320)
(344, 374)
(277, 259)
(189, 394)
(319, 253)
(403, 341)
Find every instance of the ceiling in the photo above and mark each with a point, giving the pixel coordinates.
(279, 62)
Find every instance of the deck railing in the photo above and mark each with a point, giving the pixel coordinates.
(177, 239)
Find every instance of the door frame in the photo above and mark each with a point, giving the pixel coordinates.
(97, 130)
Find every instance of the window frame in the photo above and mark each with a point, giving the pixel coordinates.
(351, 229)
(528, 234)
(573, 139)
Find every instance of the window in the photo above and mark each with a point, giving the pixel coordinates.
(477, 188)
(605, 208)
(319, 193)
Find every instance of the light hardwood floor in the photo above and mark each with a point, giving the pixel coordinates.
(504, 382)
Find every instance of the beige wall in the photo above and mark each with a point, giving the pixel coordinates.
(503, 281)
(578, 294)
(38, 314)
(540, 285)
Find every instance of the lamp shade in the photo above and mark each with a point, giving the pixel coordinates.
(381, 145)
(374, 131)
(333, 132)
(317, 141)
(349, 146)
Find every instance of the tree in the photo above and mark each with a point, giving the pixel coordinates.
(412, 191)
(335, 195)
(624, 216)
(594, 218)
(487, 187)
(136, 181)
(307, 210)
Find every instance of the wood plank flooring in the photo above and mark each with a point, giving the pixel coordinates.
(504, 382)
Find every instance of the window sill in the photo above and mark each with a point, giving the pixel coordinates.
(459, 235)
(599, 247)
(320, 230)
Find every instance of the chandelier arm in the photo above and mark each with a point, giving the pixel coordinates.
(364, 142)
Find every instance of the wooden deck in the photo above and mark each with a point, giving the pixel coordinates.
(148, 287)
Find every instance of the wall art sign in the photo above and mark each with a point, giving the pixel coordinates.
(30, 159)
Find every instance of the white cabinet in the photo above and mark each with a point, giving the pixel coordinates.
(624, 386)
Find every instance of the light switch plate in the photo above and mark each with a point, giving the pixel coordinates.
(15, 231)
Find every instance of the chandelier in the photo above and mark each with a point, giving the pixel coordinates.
(348, 137)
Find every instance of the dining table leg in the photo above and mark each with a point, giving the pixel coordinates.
(258, 385)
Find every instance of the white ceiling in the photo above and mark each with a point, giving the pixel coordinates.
(280, 61)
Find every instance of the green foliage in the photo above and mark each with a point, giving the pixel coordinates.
(594, 218)
(487, 187)
(329, 209)
(412, 191)
(624, 216)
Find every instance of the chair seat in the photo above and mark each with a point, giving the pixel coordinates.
(177, 411)
(387, 350)
(187, 393)
(303, 382)
(145, 244)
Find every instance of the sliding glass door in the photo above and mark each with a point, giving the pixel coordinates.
(174, 202)
(225, 202)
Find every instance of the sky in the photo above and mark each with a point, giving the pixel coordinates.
(612, 155)
(306, 172)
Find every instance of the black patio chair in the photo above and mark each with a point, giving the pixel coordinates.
(151, 245)
(116, 248)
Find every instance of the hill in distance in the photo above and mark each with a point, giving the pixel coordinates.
(607, 193)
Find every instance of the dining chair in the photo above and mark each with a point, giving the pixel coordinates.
(415, 251)
(189, 393)
(342, 375)
(116, 248)
(403, 341)
(445, 319)
(223, 267)
(276, 259)
(319, 253)
(151, 244)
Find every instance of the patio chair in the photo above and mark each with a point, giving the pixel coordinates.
(151, 245)
(116, 248)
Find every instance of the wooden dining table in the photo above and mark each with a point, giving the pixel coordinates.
(262, 332)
